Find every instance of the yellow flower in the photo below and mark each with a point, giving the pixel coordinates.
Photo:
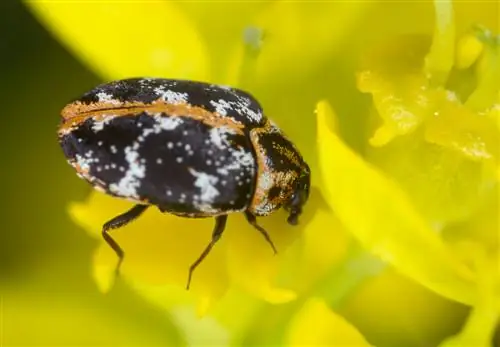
(315, 325)
(422, 198)
(433, 162)
(158, 39)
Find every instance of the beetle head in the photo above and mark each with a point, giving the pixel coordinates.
(299, 197)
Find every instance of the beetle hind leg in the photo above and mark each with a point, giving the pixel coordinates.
(253, 222)
(118, 222)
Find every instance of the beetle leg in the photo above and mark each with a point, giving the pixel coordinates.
(220, 225)
(117, 222)
(253, 222)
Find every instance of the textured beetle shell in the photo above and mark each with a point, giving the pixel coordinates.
(279, 167)
(229, 103)
(190, 148)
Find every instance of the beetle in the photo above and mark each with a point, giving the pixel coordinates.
(188, 148)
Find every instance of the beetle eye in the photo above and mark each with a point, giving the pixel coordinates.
(297, 200)
(295, 207)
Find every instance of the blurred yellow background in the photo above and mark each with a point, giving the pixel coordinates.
(48, 294)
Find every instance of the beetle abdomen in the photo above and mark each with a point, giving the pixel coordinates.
(178, 163)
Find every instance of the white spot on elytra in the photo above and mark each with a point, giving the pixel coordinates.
(84, 163)
(159, 161)
(127, 186)
(218, 136)
(169, 123)
(182, 198)
(206, 184)
(108, 98)
(240, 159)
(170, 96)
(221, 106)
(100, 123)
(242, 107)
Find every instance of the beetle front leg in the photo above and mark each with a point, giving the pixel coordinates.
(253, 222)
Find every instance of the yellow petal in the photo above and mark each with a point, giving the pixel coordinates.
(443, 184)
(305, 252)
(230, 20)
(391, 73)
(324, 243)
(103, 271)
(159, 248)
(304, 33)
(482, 323)
(469, 48)
(488, 85)
(127, 39)
(316, 325)
(378, 213)
(456, 127)
(250, 259)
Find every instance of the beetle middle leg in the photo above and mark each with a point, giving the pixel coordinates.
(118, 222)
(220, 225)
(253, 222)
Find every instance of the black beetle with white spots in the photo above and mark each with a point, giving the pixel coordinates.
(191, 149)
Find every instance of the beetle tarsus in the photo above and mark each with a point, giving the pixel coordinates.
(220, 225)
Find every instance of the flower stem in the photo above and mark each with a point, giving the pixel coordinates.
(440, 59)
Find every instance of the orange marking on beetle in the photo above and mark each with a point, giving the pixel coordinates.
(76, 113)
(259, 196)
